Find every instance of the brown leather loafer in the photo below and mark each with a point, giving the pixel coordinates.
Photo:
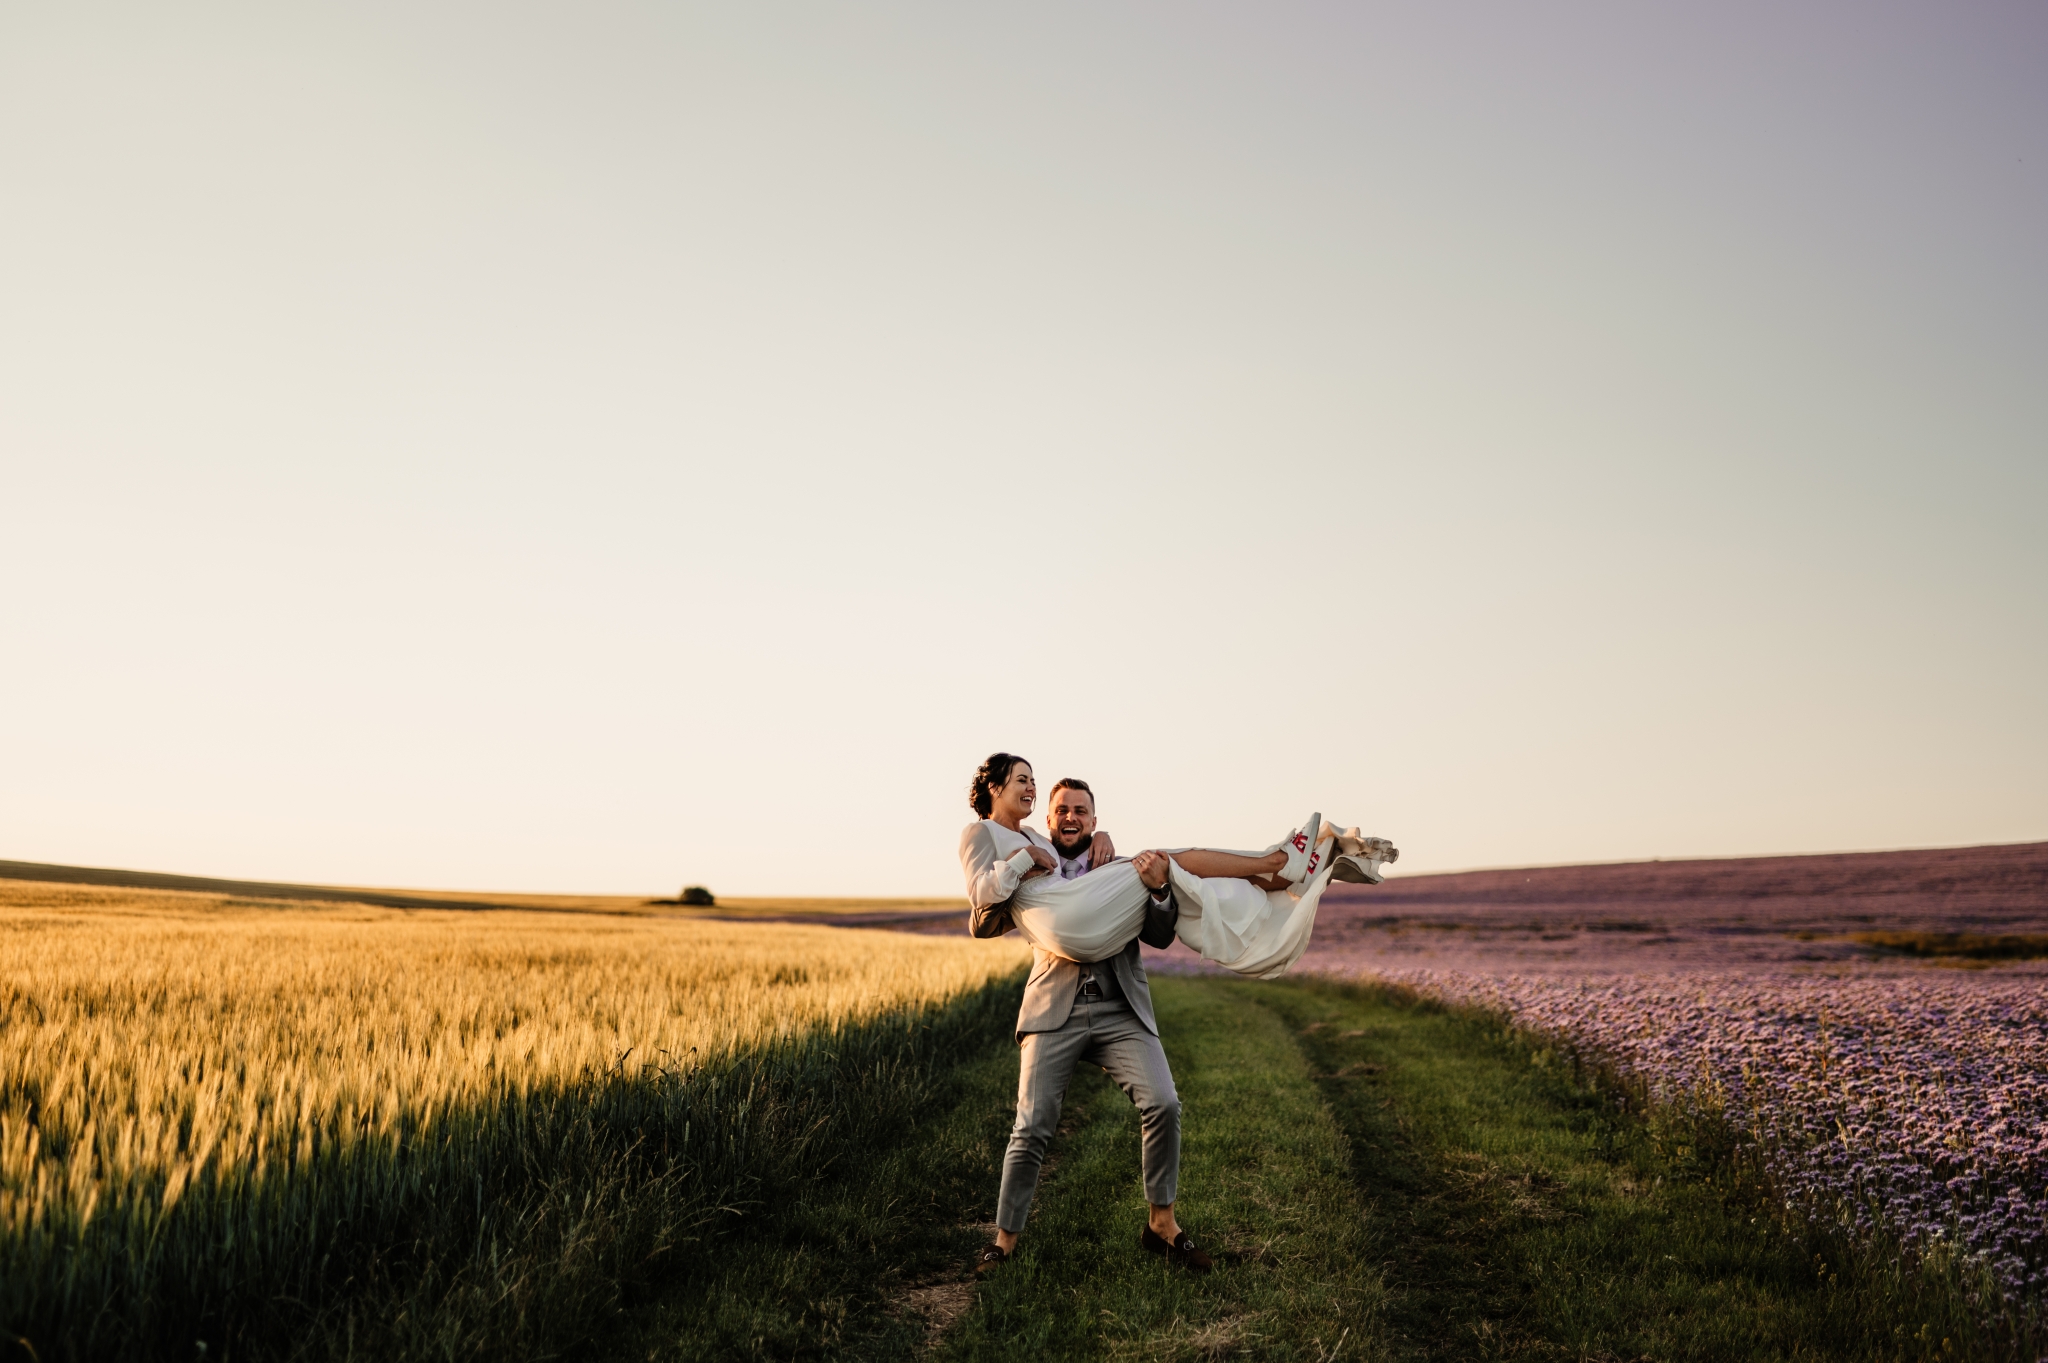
(1181, 1253)
(989, 1258)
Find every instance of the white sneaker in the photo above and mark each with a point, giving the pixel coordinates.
(1305, 855)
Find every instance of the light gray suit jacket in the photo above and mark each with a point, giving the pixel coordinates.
(1049, 993)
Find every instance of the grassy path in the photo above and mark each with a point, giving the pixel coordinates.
(1265, 1187)
(1520, 1215)
(1379, 1181)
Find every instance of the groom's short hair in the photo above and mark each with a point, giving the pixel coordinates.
(1069, 783)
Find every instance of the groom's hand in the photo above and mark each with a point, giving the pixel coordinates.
(1152, 868)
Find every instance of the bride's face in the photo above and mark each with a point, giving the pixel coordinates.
(1015, 797)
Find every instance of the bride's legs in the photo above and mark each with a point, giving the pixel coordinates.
(1200, 861)
(1269, 871)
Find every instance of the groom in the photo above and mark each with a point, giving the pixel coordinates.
(1099, 1013)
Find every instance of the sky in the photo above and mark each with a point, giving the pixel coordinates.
(613, 446)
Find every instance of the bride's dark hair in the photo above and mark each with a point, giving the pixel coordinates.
(991, 776)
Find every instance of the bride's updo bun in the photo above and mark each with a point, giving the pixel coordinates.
(990, 777)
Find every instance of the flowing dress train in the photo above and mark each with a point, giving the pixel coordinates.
(1230, 923)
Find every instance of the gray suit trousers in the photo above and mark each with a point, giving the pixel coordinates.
(1101, 1032)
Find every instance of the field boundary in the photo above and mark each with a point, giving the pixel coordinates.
(851, 912)
(258, 889)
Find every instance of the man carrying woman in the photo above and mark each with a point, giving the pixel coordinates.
(1084, 912)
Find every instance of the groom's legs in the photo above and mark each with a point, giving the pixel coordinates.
(1108, 1034)
(1044, 1064)
(1136, 1063)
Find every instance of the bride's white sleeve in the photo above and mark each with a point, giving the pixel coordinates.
(989, 881)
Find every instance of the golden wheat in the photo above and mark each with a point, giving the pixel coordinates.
(147, 1036)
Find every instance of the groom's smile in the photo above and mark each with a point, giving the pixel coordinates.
(1071, 818)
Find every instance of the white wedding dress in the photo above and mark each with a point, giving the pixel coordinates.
(1231, 923)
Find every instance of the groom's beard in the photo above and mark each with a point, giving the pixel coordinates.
(1074, 849)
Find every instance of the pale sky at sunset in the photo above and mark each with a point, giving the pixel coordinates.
(602, 446)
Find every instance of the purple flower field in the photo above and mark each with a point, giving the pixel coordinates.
(1903, 1099)
(1908, 1107)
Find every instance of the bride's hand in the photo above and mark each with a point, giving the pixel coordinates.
(1042, 862)
(1101, 851)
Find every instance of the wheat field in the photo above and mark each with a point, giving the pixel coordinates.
(155, 1043)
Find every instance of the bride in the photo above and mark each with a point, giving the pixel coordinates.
(1250, 912)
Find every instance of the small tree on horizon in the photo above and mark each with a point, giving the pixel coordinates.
(697, 895)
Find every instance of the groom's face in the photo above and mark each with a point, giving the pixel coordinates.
(1071, 819)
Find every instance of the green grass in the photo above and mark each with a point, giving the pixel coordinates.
(862, 1259)
(873, 1264)
(1958, 945)
(1522, 1213)
(869, 1265)
(1265, 1187)
(1380, 1179)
